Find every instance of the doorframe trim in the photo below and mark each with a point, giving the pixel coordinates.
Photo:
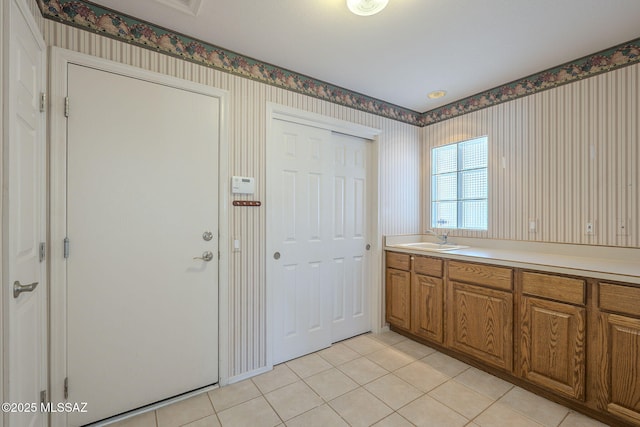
(282, 112)
(59, 61)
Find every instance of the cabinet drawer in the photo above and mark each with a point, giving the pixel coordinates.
(427, 266)
(495, 277)
(620, 299)
(398, 261)
(564, 289)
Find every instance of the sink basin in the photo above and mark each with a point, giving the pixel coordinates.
(430, 247)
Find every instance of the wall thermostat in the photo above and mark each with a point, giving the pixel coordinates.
(243, 185)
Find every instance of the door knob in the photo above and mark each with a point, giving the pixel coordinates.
(276, 255)
(206, 256)
(18, 288)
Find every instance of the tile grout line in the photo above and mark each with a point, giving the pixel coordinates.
(325, 402)
(563, 419)
(498, 399)
(264, 395)
(511, 409)
(388, 372)
(271, 406)
(214, 409)
(359, 386)
(485, 410)
(439, 385)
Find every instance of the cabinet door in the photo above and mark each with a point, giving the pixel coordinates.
(481, 322)
(553, 346)
(398, 298)
(619, 366)
(427, 310)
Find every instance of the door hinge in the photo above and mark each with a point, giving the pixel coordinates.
(66, 106)
(66, 247)
(66, 388)
(43, 397)
(43, 102)
(43, 251)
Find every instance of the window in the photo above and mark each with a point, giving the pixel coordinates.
(459, 185)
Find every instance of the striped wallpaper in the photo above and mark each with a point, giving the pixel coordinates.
(399, 169)
(561, 158)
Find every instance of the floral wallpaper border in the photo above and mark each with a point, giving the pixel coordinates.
(91, 17)
(589, 66)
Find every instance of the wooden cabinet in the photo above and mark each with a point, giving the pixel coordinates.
(481, 323)
(480, 317)
(553, 333)
(552, 346)
(398, 291)
(480, 312)
(398, 296)
(618, 351)
(428, 307)
(414, 292)
(574, 338)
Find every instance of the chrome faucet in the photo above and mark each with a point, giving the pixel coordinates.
(442, 236)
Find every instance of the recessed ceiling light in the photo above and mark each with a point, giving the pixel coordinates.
(366, 7)
(437, 94)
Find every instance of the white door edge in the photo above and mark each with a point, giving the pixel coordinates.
(60, 58)
(4, 139)
(4, 34)
(290, 114)
(5, 291)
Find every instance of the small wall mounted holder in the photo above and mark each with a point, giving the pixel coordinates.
(251, 203)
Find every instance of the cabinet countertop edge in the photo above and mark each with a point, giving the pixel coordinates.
(603, 269)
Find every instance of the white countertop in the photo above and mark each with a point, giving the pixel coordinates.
(600, 262)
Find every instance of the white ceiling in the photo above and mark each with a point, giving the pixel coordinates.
(411, 48)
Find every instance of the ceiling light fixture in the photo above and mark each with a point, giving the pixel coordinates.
(437, 94)
(366, 7)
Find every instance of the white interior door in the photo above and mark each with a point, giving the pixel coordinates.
(317, 238)
(351, 296)
(142, 189)
(25, 199)
(300, 185)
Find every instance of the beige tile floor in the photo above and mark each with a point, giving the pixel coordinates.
(371, 380)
